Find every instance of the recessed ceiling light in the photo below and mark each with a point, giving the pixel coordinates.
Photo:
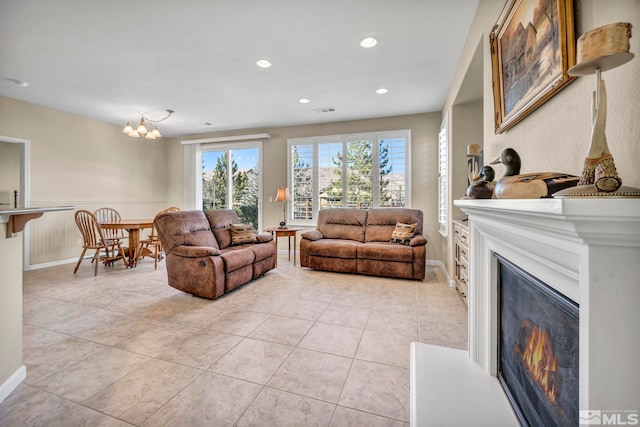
(368, 42)
(263, 63)
(382, 91)
(304, 101)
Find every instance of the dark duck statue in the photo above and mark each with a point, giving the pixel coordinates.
(482, 187)
(514, 185)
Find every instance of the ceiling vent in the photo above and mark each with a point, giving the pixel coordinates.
(324, 110)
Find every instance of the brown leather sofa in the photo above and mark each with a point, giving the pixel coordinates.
(201, 259)
(358, 241)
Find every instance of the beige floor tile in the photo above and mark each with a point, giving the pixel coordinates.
(188, 334)
(377, 389)
(199, 317)
(313, 374)
(35, 337)
(34, 303)
(381, 347)
(138, 395)
(210, 400)
(278, 408)
(156, 339)
(82, 416)
(46, 361)
(393, 322)
(303, 309)
(239, 322)
(70, 318)
(334, 339)
(80, 381)
(346, 417)
(338, 314)
(264, 303)
(282, 330)
(29, 406)
(114, 331)
(445, 330)
(200, 350)
(252, 360)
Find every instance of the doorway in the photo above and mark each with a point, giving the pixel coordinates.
(14, 156)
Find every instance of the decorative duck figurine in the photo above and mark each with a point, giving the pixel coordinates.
(481, 187)
(514, 185)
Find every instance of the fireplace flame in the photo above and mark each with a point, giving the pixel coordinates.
(539, 358)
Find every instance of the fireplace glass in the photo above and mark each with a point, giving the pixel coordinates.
(538, 349)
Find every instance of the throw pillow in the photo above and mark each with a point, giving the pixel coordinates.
(242, 234)
(403, 233)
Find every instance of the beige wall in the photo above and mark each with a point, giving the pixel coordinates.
(85, 163)
(556, 136)
(10, 305)
(424, 173)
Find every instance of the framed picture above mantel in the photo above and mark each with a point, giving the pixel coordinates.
(532, 47)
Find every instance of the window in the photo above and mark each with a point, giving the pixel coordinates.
(357, 171)
(231, 180)
(443, 178)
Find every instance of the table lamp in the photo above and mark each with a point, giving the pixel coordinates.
(599, 50)
(283, 196)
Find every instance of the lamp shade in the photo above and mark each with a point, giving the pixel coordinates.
(283, 195)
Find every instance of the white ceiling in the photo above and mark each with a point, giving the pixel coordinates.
(116, 59)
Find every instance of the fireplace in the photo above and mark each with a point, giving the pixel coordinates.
(584, 249)
(537, 349)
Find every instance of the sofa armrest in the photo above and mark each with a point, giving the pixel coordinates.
(194, 251)
(312, 235)
(264, 238)
(418, 240)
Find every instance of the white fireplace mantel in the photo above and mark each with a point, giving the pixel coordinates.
(588, 250)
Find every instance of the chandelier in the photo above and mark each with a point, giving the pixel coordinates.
(141, 129)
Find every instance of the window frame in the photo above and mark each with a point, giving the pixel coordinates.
(344, 139)
(196, 166)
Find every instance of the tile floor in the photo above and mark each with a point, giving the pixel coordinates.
(296, 347)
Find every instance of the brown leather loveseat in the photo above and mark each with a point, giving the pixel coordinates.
(202, 258)
(359, 241)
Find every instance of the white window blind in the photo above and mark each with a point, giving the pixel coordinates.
(443, 178)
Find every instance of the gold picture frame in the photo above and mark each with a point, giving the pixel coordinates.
(532, 47)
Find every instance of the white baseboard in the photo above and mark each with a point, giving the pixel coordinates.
(52, 263)
(437, 263)
(12, 382)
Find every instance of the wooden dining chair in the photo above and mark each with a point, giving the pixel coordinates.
(151, 246)
(109, 215)
(93, 238)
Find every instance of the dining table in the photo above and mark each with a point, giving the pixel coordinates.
(133, 227)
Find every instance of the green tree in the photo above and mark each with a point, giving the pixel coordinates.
(360, 179)
(215, 189)
(247, 207)
(386, 195)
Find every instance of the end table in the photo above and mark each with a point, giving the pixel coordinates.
(285, 232)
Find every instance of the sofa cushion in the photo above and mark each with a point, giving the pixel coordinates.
(220, 221)
(235, 259)
(189, 228)
(262, 251)
(403, 233)
(382, 221)
(334, 248)
(241, 234)
(342, 223)
(385, 251)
